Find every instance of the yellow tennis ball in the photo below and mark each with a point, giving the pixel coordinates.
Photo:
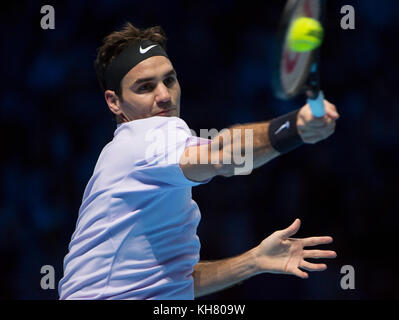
(305, 34)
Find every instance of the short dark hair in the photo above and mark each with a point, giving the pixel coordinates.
(115, 42)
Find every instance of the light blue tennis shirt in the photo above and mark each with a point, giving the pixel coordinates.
(136, 234)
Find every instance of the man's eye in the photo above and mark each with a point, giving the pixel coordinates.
(170, 80)
(146, 87)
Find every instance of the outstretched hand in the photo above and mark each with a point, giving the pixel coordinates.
(279, 253)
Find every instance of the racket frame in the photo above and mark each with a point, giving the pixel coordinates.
(310, 82)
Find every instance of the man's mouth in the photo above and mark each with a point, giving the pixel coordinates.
(165, 112)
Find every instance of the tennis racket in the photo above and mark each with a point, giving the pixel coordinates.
(298, 72)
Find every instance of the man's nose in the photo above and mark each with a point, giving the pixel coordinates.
(162, 94)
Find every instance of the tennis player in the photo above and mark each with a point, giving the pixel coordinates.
(135, 236)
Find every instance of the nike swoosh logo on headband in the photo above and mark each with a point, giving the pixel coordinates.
(142, 51)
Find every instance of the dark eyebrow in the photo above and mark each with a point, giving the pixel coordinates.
(141, 80)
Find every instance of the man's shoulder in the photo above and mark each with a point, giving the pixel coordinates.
(141, 126)
(145, 138)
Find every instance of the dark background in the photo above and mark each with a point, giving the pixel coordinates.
(54, 124)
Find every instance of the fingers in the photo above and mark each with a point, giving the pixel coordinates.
(312, 266)
(328, 119)
(319, 254)
(327, 122)
(320, 129)
(314, 129)
(314, 241)
(316, 254)
(301, 274)
(291, 230)
(331, 110)
(308, 266)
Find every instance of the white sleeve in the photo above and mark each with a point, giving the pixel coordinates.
(165, 144)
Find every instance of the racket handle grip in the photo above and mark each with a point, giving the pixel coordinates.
(317, 105)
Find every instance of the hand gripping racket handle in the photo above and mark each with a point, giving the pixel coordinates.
(317, 105)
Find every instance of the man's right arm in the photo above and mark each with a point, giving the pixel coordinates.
(200, 163)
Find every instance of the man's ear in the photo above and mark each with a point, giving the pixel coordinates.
(113, 102)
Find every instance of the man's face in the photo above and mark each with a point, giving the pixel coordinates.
(150, 89)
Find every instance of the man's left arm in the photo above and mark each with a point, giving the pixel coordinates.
(278, 253)
(213, 276)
